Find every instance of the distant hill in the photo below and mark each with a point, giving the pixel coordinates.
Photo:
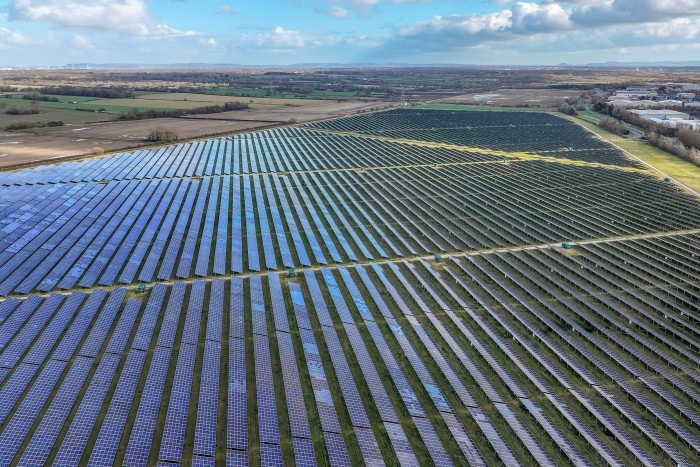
(663, 64)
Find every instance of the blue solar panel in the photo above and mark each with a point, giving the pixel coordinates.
(402, 447)
(279, 309)
(139, 446)
(11, 353)
(337, 451)
(41, 443)
(171, 319)
(356, 295)
(337, 297)
(432, 442)
(98, 332)
(291, 224)
(304, 454)
(407, 394)
(173, 434)
(237, 325)
(270, 455)
(319, 303)
(207, 408)
(122, 331)
(351, 395)
(300, 311)
(17, 428)
(14, 387)
(73, 444)
(265, 388)
(216, 310)
(203, 461)
(236, 458)
(279, 226)
(322, 393)
(193, 318)
(366, 364)
(111, 430)
(12, 324)
(298, 419)
(237, 435)
(257, 305)
(369, 448)
(306, 226)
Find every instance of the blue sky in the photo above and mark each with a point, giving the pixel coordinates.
(283, 32)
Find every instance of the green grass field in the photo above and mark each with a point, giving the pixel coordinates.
(475, 107)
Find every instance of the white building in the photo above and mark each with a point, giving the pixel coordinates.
(644, 104)
(661, 115)
(635, 94)
(686, 96)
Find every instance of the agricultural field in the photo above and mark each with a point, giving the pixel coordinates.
(410, 287)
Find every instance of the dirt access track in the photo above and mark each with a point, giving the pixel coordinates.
(40, 145)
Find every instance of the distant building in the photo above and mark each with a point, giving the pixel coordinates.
(686, 96)
(669, 118)
(693, 104)
(635, 94)
(644, 104)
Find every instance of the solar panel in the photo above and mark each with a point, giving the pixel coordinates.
(408, 396)
(105, 447)
(237, 435)
(19, 425)
(207, 409)
(43, 439)
(264, 383)
(304, 455)
(374, 382)
(98, 332)
(139, 446)
(21, 339)
(257, 305)
(237, 324)
(216, 310)
(81, 426)
(203, 461)
(43, 345)
(122, 331)
(337, 452)
(270, 455)
(173, 433)
(24, 312)
(432, 442)
(291, 224)
(193, 318)
(369, 448)
(236, 458)
(296, 408)
(402, 447)
(279, 310)
(171, 318)
(322, 393)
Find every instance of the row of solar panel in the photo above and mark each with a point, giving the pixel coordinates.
(36, 327)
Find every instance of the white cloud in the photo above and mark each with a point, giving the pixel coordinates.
(15, 38)
(338, 12)
(227, 8)
(130, 17)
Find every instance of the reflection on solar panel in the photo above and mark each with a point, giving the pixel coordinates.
(402, 447)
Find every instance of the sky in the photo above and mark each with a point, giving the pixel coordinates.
(287, 32)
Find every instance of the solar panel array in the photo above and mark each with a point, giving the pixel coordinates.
(507, 352)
